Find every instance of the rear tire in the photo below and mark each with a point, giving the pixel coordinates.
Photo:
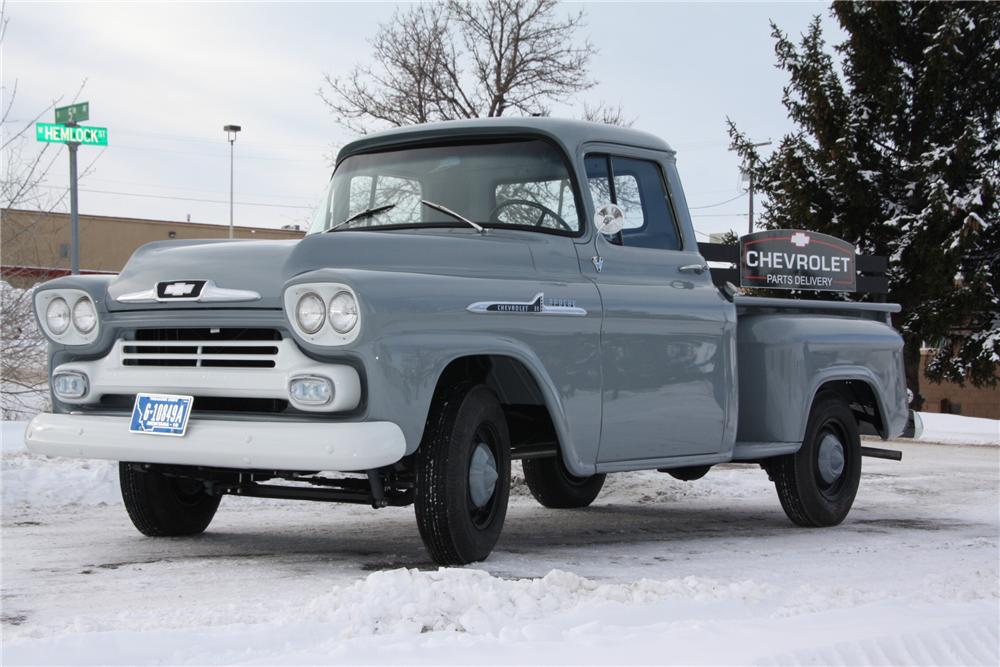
(817, 484)
(554, 486)
(164, 506)
(463, 475)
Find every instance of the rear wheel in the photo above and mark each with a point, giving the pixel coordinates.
(554, 486)
(817, 484)
(463, 475)
(165, 506)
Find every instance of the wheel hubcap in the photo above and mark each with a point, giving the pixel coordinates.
(482, 475)
(831, 458)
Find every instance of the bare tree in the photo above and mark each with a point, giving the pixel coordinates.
(607, 114)
(24, 169)
(463, 59)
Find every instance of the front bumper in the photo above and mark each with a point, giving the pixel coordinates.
(347, 446)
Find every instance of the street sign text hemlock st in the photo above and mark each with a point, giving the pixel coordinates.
(87, 136)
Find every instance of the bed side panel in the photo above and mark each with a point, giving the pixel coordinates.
(784, 358)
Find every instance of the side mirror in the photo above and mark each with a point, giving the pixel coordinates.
(609, 220)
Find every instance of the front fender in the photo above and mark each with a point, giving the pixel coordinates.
(414, 325)
(403, 373)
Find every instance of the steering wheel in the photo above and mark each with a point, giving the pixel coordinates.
(545, 211)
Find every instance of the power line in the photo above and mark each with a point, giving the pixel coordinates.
(195, 199)
(177, 187)
(192, 138)
(212, 155)
(719, 203)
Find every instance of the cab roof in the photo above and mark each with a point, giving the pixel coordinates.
(569, 133)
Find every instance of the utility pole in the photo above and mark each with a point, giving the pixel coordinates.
(231, 131)
(750, 189)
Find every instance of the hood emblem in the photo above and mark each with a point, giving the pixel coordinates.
(180, 289)
(538, 305)
(188, 290)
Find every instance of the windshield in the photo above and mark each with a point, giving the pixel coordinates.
(499, 184)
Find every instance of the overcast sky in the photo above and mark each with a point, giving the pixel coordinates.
(165, 78)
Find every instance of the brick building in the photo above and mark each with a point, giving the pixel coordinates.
(35, 245)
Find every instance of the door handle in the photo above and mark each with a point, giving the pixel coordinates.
(694, 268)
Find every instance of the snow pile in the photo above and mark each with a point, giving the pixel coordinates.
(38, 481)
(959, 430)
(463, 617)
(408, 601)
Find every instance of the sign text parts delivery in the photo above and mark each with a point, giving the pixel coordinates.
(797, 259)
(87, 136)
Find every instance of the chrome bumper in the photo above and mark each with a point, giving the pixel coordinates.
(349, 446)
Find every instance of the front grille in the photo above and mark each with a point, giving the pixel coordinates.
(215, 347)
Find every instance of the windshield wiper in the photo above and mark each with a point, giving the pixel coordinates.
(362, 214)
(447, 211)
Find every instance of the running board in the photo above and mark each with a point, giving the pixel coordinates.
(879, 453)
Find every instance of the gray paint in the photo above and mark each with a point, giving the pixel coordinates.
(662, 370)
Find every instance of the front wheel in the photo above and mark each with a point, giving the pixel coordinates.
(817, 484)
(163, 505)
(463, 475)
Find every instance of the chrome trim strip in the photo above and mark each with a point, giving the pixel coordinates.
(210, 293)
(148, 295)
(536, 306)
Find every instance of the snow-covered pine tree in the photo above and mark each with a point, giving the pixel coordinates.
(897, 149)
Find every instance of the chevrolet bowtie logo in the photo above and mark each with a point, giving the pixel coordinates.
(178, 289)
(800, 239)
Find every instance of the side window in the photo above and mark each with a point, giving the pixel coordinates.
(637, 187)
(371, 191)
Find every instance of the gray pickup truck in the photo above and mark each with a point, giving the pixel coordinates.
(469, 293)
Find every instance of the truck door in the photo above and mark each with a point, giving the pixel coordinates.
(667, 334)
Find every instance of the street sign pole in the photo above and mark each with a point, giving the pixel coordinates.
(67, 131)
(74, 212)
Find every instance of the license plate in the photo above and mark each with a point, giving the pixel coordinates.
(161, 414)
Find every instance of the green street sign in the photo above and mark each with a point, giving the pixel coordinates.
(86, 136)
(74, 113)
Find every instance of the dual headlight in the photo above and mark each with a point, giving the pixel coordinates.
(312, 312)
(324, 313)
(68, 316)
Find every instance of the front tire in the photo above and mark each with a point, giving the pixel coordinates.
(554, 486)
(817, 484)
(165, 506)
(463, 475)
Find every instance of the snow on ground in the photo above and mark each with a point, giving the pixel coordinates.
(656, 571)
(959, 430)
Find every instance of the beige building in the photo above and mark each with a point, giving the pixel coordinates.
(951, 398)
(35, 245)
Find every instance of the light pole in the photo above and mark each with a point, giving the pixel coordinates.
(231, 131)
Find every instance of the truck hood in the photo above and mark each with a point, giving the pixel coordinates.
(265, 267)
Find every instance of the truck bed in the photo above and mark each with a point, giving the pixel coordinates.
(790, 349)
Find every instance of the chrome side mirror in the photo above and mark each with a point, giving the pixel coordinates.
(609, 219)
